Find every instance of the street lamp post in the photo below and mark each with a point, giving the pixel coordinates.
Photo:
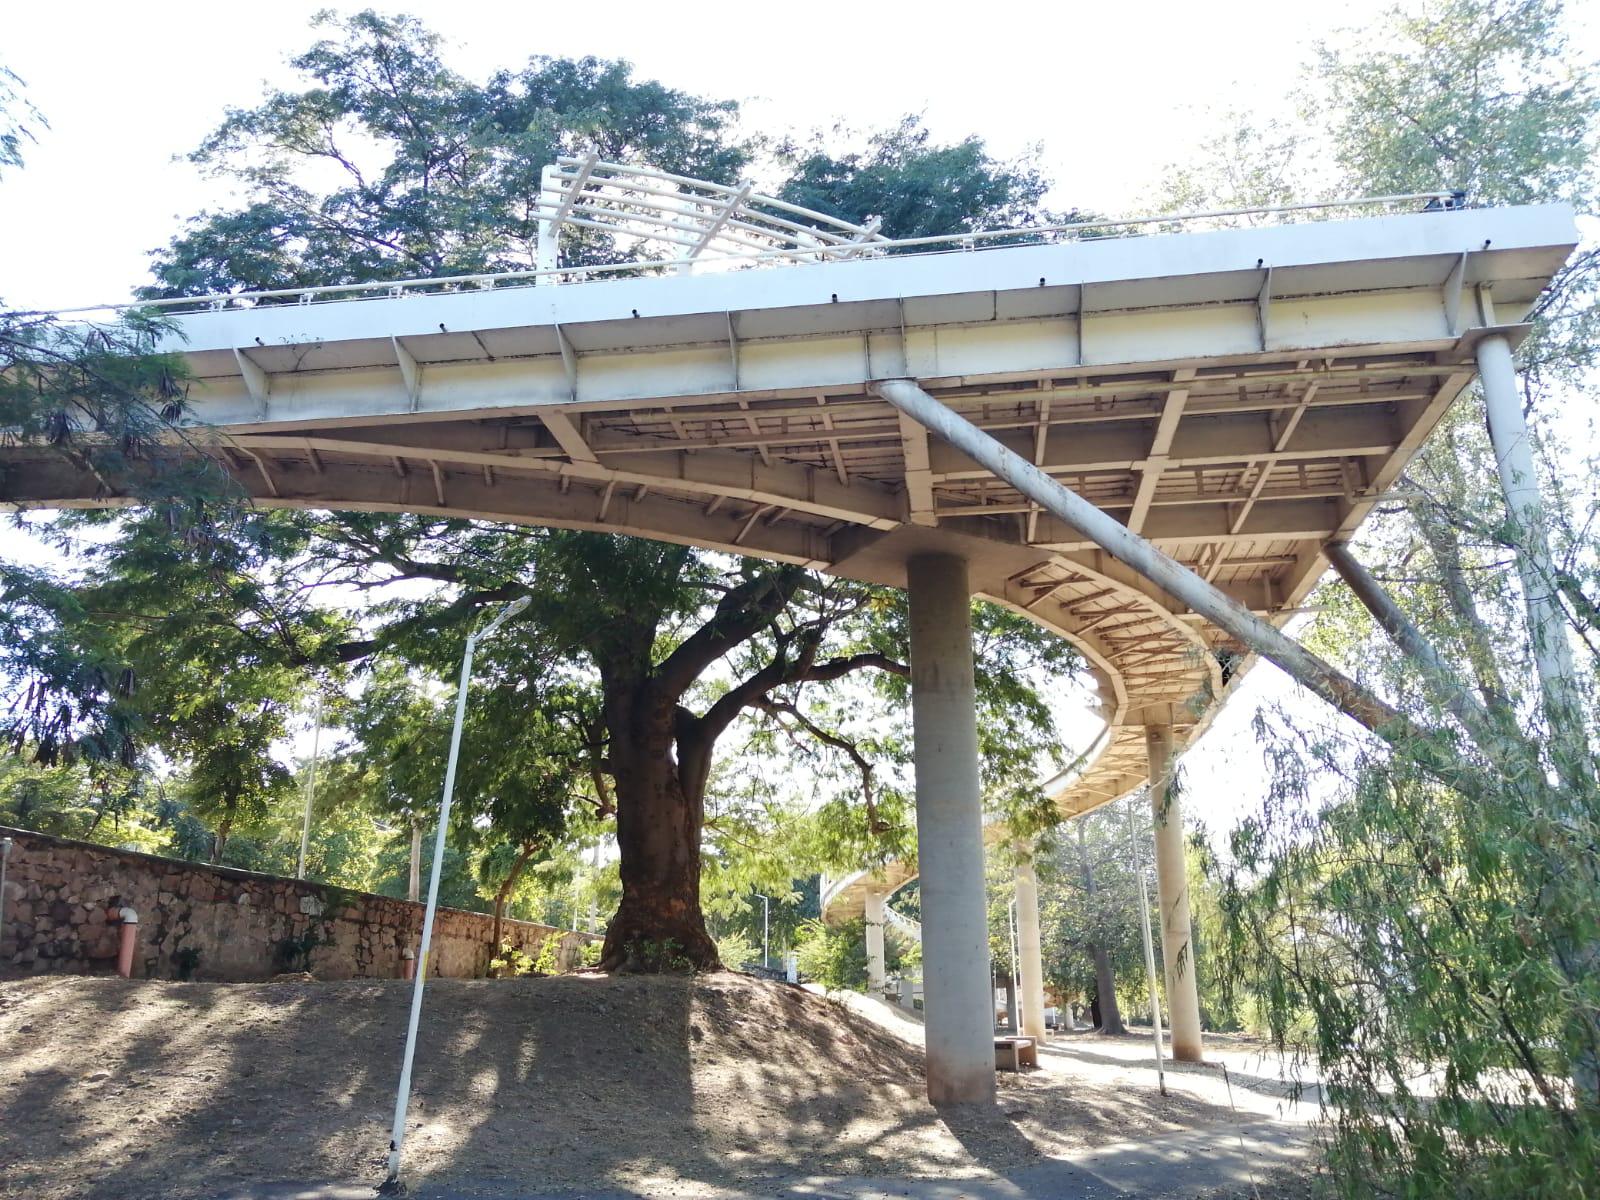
(1149, 950)
(766, 959)
(311, 791)
(403, 1096)
(1016, 995)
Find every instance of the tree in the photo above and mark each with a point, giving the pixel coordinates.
(101, 397)
(439, 174)
(913, 187)
(1386, 915)
(1089, 900)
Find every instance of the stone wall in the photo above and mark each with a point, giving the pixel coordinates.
(216, 923)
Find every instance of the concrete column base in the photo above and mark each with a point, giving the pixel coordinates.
(877, 972)
(1030, 961)
(1172, 891)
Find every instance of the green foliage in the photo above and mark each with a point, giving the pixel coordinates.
(1429, 937)
(387, 163)
(1088, 898)
(735, 950)
(664, 956)
(18, 118)
(432, 173)
(549, 960)
(836, 955)
(293, 952)
(509, 960)
(915, 187)
(1432, 948)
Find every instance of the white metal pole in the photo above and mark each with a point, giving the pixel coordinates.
(397, 1132)
(594, 874)
(1015, 1006)
(311, 791)
(1519, 481)
(1149, 950)
(414, 878)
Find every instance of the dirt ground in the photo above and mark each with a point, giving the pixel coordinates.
(116, 1090)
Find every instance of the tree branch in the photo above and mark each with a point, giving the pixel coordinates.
(741, 614)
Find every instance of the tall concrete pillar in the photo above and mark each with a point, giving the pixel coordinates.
(876, 973)
(958, 1003)
(1030, 963)
(1172, 890)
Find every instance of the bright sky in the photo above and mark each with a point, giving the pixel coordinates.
(1110, 95)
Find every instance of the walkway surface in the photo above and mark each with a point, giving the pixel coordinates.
(1191, 1164)
(1254, 1134)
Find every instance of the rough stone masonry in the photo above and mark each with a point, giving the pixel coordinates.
(217, 923)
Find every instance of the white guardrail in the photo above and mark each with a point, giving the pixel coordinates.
(824, 242)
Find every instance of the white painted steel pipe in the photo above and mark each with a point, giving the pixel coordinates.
(1519, 481)
(397, 1131)
(1127, 547)
(311, 792)
(1149, 950)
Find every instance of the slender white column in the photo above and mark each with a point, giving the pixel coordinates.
(1030, 963)
(1172, 891)
(955, 929)
(876, 974)
(1547, 626)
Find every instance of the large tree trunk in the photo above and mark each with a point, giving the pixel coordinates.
(1105, 986)
(660, 811)
(1108, 1016)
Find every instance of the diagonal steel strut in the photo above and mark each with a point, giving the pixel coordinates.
(1141, 555)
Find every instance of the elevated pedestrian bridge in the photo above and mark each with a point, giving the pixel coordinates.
(1239, 397)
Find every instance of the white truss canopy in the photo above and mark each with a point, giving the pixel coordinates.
(698, 219)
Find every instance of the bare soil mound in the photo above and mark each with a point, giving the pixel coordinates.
(121, 1089)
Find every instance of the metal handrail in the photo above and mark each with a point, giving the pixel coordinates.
(952, 242)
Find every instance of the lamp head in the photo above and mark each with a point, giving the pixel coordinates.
(505, 614)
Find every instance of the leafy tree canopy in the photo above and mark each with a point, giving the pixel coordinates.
(607, 699)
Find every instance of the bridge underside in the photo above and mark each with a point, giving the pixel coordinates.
(1240, 398)
(1240, 468)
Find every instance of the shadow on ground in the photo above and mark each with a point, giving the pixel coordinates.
(114, 1089)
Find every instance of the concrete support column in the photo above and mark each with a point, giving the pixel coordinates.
(958, 1002)
(876, 972)
(1030, 963)
(1172, 890)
